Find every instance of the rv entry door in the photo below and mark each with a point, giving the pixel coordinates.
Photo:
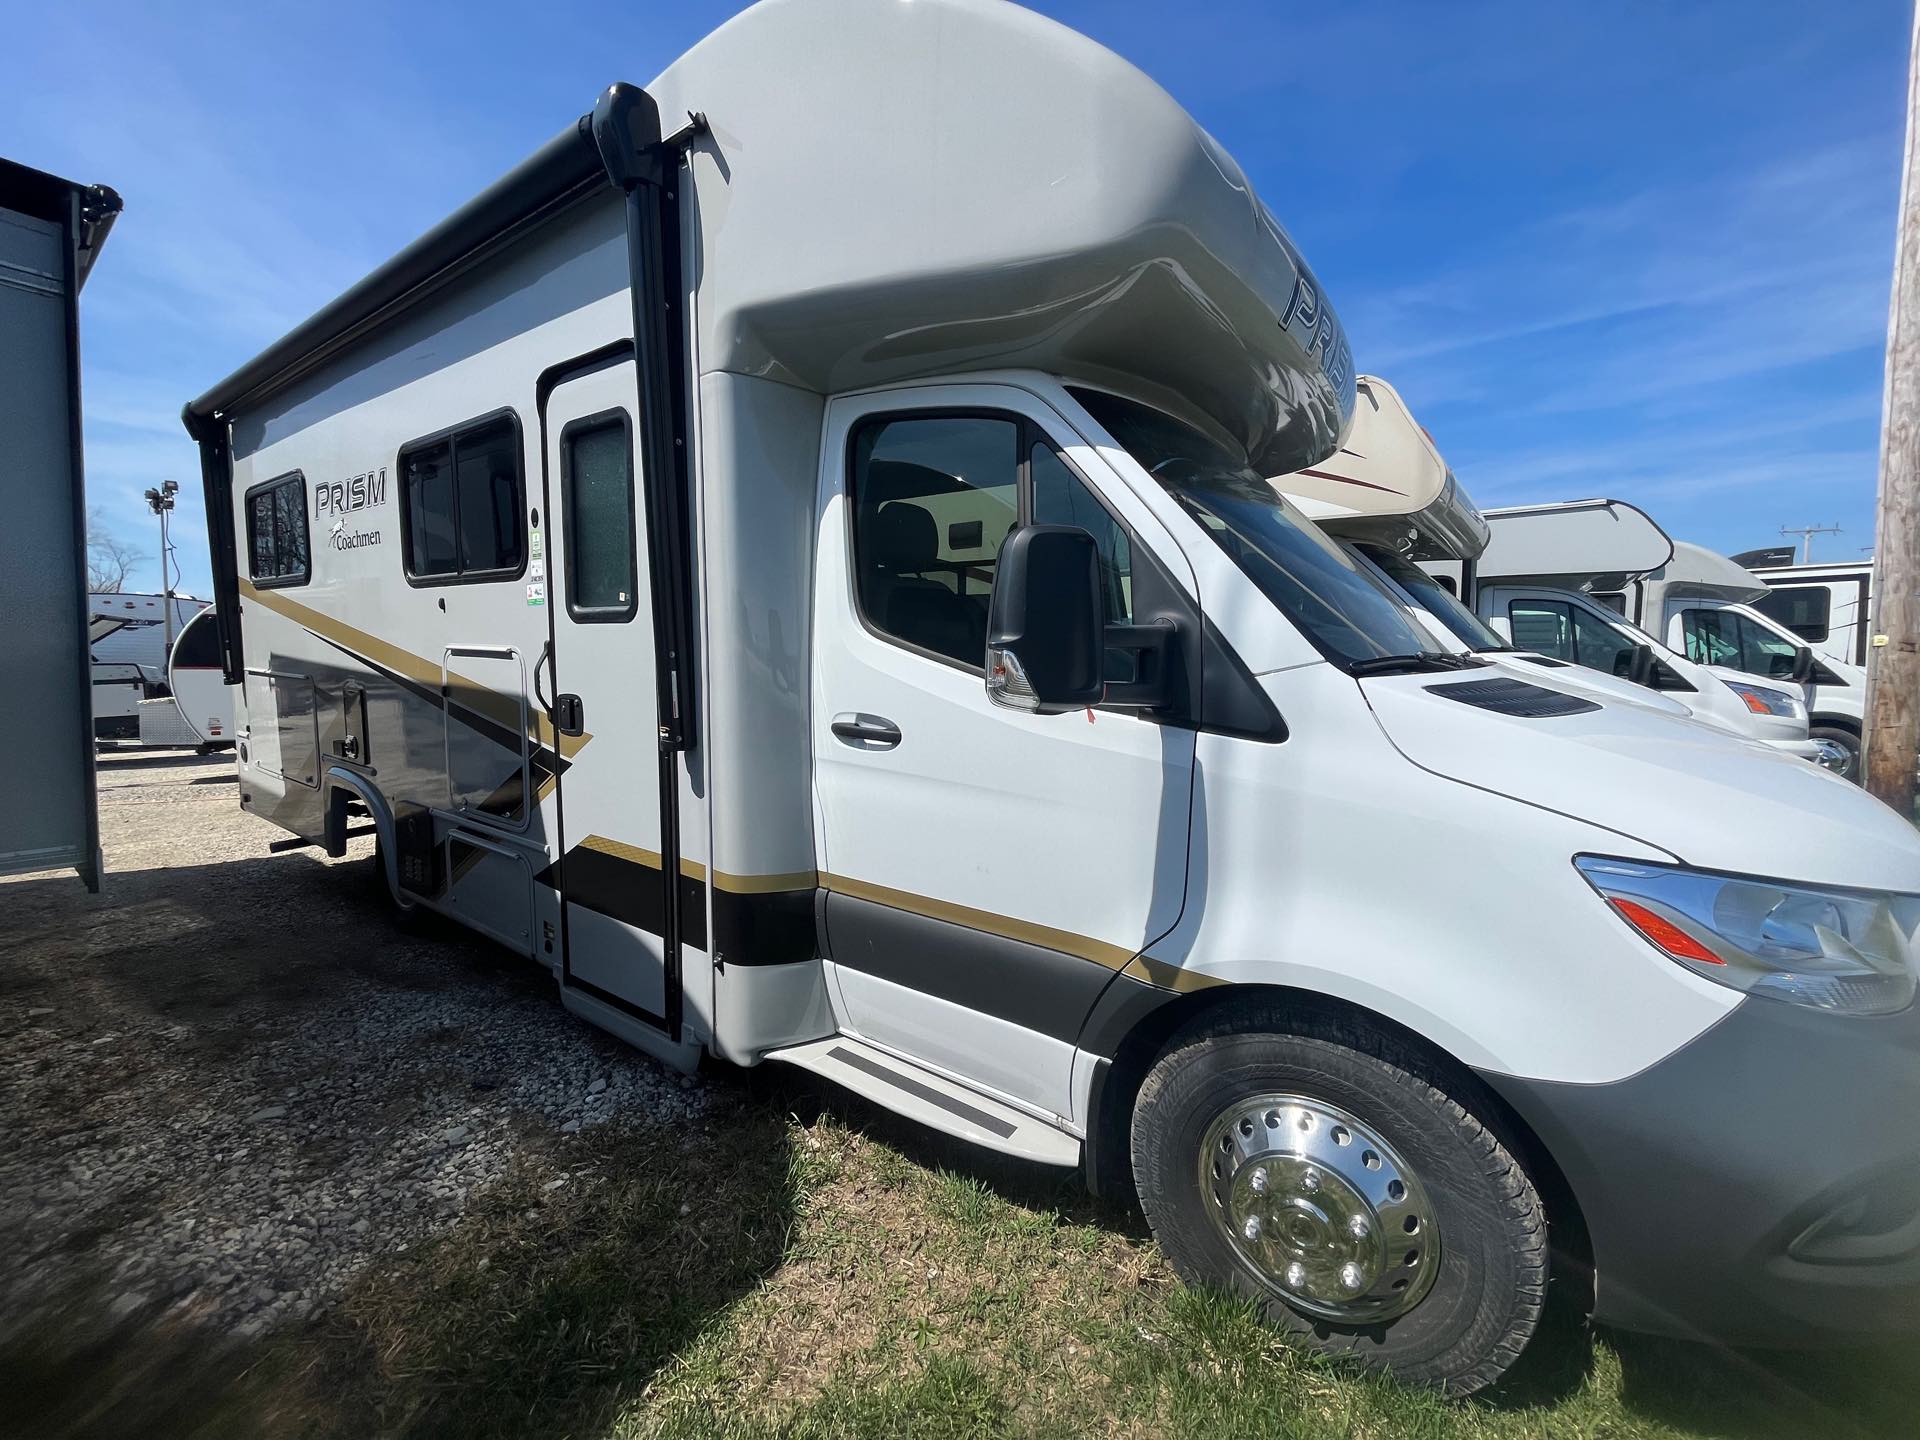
(599, 690)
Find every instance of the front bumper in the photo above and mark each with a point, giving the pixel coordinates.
(1760, 1186)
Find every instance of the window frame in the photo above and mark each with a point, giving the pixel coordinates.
(279, 582)
(1792, 592)
(450, 434)
(1027, 431)
(599, 614)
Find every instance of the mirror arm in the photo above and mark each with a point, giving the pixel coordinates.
(1152, 645)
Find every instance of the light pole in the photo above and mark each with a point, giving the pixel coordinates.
(160, 501)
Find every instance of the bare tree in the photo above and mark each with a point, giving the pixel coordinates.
(110, 560)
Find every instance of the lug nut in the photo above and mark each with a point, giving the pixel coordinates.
(1358, 1227)
(1258, 1181)
(1296, 1276)
(1252, 1228)
(1310, 1181)
(1352, 1278)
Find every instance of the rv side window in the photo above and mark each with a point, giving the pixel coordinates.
(462, 500)
(1806, 610)
(933, 497)
(277, 532)
(596, 476)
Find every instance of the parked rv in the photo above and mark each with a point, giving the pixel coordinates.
(1392, 500)
(793, 558)
(201, 692)
(1558, 579)
(1828, 606)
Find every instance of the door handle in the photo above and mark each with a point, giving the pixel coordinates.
(568, 715)
(866, 732)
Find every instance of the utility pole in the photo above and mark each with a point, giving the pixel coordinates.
(1893, 668)
(1806, 534)
(160, 502)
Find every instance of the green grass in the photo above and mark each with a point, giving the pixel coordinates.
(841, 1275)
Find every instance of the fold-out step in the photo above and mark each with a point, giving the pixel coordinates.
(932, 1100)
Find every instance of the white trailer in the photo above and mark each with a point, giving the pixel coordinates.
(792, 559)
(51, 232)
(1828, 606)
(199, 688)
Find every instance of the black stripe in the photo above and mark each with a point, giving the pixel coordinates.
(771, 928)
(629, 891)
(1026, 985)
(992, 1124)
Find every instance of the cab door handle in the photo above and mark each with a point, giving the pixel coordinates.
(866, 732)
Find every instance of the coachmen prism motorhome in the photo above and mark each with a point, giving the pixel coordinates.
(1553, 580)
(793, 558)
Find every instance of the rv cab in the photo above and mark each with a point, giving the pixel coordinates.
(877, 649)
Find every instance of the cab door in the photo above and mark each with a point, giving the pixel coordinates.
(987, 871)
(597, 687)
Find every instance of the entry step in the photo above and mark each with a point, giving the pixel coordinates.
(933, 1100)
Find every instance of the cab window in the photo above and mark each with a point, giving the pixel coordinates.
(1568, 632)
(1726, 637)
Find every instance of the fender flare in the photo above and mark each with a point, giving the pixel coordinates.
(376, 803)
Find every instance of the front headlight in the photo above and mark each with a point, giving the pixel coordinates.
(1843, 950)
(1764, 700)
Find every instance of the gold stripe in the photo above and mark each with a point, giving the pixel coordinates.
(500, 708)
(765, 884)
(1168, 977)
(1113, 957)
(640, 855)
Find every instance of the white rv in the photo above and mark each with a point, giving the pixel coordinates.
(792, 559)
(1712, 608)
(1556, 579)
(1828, 606)
(199, 689)
(1392, 500)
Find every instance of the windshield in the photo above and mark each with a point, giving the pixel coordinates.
(1433, 597)
(1348, 613)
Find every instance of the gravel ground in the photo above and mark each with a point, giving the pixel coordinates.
(228, 1081)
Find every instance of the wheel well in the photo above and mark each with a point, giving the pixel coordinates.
(1838, 722)
(1109, 1130)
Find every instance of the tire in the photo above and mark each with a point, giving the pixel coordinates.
(1847, 740)
(1466, 1318)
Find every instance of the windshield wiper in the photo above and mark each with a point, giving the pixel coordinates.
(1406, 664)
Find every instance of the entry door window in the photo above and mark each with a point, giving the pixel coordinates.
(596, 476)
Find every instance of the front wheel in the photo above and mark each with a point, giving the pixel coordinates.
(1847, 763)
(1355, 1189)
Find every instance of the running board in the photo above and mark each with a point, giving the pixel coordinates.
(933, 1100)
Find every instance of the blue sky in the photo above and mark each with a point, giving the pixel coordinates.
(1632, 249)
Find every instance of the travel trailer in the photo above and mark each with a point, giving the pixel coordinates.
(204, 698)
(51, 233)
(793, 558)
(1391, 499)
(130, 658)
(1559, 580)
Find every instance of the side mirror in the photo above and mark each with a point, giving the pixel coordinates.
(1802, 670)
(1045, 622)
(1640, 667)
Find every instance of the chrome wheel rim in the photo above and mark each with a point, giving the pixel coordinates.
(1319, 1208)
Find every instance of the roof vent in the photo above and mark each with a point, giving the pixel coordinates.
(1515, 697)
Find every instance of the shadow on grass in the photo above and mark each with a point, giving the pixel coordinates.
(543, 1312)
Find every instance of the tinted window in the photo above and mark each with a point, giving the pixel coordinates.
(197, 647)
(933, 498)
(1542, 626)
(1341, 606)
(1061, 497)
(277, 531)
(1599, 646)
(461, 503)
(1806, 610)
(1726, 637)
(596, 465)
